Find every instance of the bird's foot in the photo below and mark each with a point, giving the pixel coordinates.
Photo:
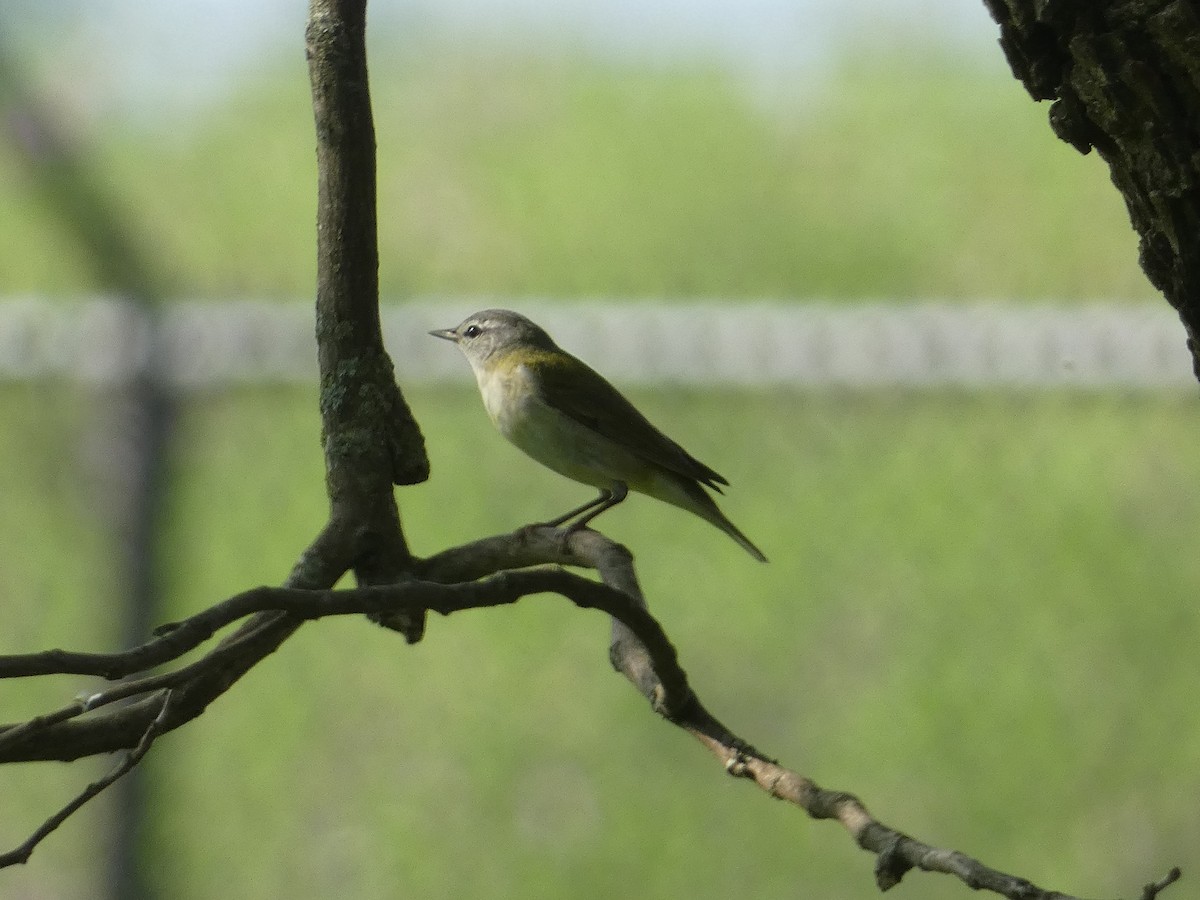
(527, 533)
(561, 534)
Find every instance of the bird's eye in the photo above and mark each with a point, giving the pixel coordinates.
(472, 331)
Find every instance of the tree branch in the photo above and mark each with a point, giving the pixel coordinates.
(370, 436)
(1122, 76)
(370, 442)
(640, 650)
(274, 608)
(486, 574)
(22, 853)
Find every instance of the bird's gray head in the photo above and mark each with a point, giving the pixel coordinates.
(491, 334)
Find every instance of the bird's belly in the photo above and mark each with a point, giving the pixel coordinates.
(569, 447)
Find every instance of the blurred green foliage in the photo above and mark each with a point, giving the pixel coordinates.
(976, 617)
(576, 177)
(980, 606)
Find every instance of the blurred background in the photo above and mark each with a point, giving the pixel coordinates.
(817, 243)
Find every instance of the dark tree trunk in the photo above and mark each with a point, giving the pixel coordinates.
(1124, 76)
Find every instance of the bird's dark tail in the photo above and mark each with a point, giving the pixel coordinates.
(692, 497)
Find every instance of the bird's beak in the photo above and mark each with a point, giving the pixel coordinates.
(446, 334)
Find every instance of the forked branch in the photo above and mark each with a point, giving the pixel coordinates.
(491, 572)
(371, 441)
(22, 853)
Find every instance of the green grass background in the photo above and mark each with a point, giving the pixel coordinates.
(980, 611)
(907, 176)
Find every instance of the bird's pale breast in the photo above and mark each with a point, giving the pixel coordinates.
(552, 438)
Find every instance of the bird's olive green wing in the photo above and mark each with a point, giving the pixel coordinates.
(580, 392)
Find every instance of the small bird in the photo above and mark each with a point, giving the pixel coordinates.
(564, 414)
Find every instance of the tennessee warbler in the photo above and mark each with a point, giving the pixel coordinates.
(562, 413)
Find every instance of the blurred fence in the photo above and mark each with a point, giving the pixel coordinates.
(205, 345)
(979, 586)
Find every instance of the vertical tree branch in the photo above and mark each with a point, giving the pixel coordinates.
(371, 438)
(365, 418)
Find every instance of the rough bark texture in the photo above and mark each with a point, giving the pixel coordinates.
(372, 441)
(371, 438)
(1124, 76)
(368, 427)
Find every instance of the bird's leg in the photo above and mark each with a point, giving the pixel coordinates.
(607, 500)
(594, 507)
(566, 517)
(609, 497)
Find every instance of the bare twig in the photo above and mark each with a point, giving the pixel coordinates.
(219, 657)
(65, 736)
(171, 643)
(21, 854)
(242, 650)
(1152, 890)
(640, 649)
(896, 853)
(371, 441)
(369, 435)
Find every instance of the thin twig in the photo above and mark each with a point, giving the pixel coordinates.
(501, 589)
(11, 735)
(640, 650)
(1152, 890)
(218, 657)
(896, 853)
(21, 854)
(178, 638)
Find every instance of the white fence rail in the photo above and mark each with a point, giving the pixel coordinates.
(208, 345)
